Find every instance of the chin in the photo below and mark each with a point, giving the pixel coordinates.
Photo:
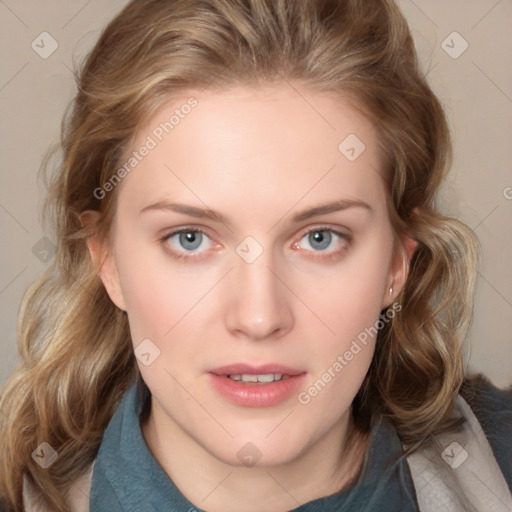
(257, 452)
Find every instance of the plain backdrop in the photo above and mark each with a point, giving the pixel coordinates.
(464, 47)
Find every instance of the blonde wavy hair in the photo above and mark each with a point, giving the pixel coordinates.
(75, 352)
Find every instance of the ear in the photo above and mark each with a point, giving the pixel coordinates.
(103, 257)
(399, 270)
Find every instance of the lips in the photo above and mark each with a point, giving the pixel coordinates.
(255, 393)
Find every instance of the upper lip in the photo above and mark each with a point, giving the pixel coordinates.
(247, 369)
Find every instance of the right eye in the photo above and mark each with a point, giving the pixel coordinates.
(186, 240)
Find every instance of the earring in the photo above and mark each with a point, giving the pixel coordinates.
(391, 291)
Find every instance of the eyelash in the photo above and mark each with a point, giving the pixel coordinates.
(327, 256)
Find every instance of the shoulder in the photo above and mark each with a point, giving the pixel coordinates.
(78, 494)
(492, 407)
(468, 467)
(485, 398)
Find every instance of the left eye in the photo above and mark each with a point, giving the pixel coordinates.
(321, 239)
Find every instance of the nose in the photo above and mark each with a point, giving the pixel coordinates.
(258, 305)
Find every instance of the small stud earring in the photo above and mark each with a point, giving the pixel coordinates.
(391, 291)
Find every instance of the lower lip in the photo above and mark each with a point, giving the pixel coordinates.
(257, 395)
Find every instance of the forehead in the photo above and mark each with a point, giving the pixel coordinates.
(275, 146)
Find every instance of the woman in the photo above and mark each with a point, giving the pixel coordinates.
(255, 304)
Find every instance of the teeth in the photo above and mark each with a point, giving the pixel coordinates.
(270, 377)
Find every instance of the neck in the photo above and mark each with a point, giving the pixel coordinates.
(331, 464)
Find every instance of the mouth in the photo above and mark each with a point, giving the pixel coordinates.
(262, 374)
(256, 386)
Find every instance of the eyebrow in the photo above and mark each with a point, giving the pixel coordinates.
(205, 213)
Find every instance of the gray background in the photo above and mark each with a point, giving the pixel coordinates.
(475, 87)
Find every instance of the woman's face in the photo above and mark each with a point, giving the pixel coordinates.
(252, 237)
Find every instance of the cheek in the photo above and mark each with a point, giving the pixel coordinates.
(348, 300)
(349, 308)
(162, 310)
(157, 294)
(348, 297)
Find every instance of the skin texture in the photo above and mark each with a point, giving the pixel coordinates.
(257, 156)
